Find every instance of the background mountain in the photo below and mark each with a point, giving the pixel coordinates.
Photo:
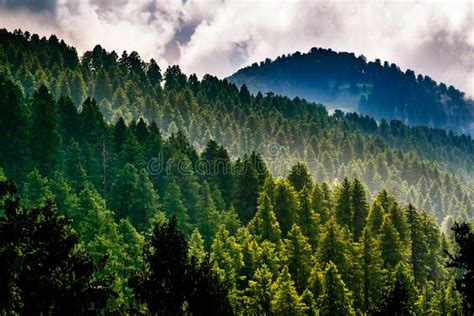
(347, 82)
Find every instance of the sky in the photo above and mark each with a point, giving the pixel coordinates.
(434, 38)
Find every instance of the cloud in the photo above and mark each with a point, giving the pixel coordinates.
(219, 36)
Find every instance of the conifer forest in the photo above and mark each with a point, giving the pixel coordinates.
(131, 189)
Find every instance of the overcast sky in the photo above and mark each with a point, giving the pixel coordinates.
(218, 37)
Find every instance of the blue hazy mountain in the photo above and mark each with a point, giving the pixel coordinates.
(347, 82)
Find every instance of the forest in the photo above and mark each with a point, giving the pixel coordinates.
(125, 190)
(378, 89)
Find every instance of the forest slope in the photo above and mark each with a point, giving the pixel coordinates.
(344, 81)
(428, 167)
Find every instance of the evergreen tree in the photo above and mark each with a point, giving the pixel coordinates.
(36, 189)
(372, 272)
(464, 237)
(64, 198)
(286, 205)
(247, 190)
(206, 215)
(196, 247)
(264, 224)
(390, 245)
(46, 141)
(13, 126)
(133, 196)
(168, 283)
(335, 298)
(173, 205)
(285, 298)
(51, 272)
(161, 282)
(298, 257)
(401, 293)
(419, 246)
(300, 177)
(376, 217)
(343, 207)
(334, 246)
(259, 292)
(308, 220)
(321, 205)
(359, 207)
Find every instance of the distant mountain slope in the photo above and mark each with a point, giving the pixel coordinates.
(344, 81)
(430, 168)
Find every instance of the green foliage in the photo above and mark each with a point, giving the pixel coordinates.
(464, 236)
(335, 298)
(169, 283)
(264, 224)
(43, 269)
(285, 300)
(305, 234)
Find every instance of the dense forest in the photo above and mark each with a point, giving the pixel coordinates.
(130, 191)
(430, 168)
(378, 89)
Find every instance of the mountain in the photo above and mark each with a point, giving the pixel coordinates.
(345, 81)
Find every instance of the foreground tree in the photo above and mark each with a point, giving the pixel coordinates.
(171, 284)
(42, 268)
(464, 259)
(335, 298)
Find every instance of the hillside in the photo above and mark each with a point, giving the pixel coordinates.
(345, 81)
(128, 190)
(418, 165)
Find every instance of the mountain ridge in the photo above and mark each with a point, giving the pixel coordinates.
(341, 79)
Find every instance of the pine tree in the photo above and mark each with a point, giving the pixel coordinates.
(161, 283)
(334, 246)
(173, 205)
(46, 141)
(247, 190)
(419, 246)
(264, 224)
(259, 292)
(343, 207)
(464, 237)
(132, 196)
(52, 273)
(335, 298)
(286, 205)
(401, 293)
(320, 204)
(13, 126)
(196, 247)
(308, 220)
(285, 298)
(376, 217)
(373, 274)
(36, 189)
(206, 215)
(359, 207)
(64, 198)
(392, 249)
(300, 177)
(298, 257)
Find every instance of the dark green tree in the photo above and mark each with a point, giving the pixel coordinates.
(46, 141)
(464, 259)
(300, 177)
(43, 270)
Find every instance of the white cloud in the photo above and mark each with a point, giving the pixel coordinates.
(218, 37)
